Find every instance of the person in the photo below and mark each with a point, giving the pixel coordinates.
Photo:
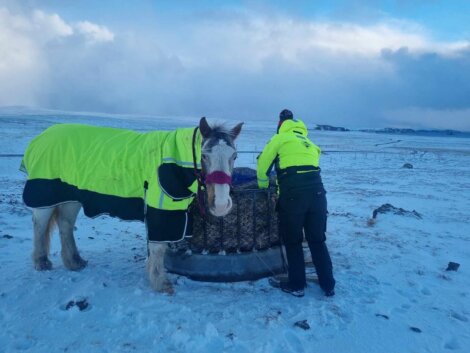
(302, 202)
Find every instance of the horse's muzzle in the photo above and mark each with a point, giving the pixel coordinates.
(221, 210)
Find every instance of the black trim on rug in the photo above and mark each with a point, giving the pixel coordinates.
(49, 192)
(162, 225)
(176, 180)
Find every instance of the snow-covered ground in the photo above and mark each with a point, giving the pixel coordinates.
(393, 293)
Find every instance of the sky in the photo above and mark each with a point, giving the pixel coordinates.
(348, 63)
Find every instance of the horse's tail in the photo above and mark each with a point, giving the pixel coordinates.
(50, 228)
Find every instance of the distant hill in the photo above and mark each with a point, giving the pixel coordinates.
(24, 110)
(396, 131)
(435, 132)
(330, 128)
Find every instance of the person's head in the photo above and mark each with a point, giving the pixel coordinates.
(285, 115)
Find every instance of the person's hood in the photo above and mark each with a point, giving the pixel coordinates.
(293, 125)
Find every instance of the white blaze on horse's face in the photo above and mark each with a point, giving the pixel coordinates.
(218, 155)
(218, 163)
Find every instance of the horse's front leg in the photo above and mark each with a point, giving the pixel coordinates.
(156, 268)
(43, 222)
(67, 216)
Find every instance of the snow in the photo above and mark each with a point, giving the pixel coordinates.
(391, 278)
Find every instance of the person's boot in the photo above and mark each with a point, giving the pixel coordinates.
(330, 293)
(275, 282)
(285, 287)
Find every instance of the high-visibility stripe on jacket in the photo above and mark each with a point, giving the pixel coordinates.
(107, 169)
(289, 148)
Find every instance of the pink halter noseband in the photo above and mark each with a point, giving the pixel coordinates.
(218, 177)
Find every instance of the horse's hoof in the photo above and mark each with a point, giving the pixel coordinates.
(76, 264)
(168, 289)
(43, 264)
(163, 288)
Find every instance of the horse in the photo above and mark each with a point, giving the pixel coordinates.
(151, 177)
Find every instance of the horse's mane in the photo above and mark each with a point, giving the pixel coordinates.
(220, 131)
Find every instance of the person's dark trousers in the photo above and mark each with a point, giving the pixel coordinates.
(305, 210)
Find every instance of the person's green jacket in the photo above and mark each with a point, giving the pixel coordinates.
(289, 149)
(112, 171)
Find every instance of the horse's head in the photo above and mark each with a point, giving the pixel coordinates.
(217, 157)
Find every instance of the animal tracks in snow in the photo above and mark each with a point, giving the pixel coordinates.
(452, 344)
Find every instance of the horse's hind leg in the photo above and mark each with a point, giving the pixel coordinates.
(66, 218)
(156, 268)
(43, 222)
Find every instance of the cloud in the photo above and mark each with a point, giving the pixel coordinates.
(247, 41)
(50, 26)
(94, 32)
(239, 65)
(20, 60)
(32, 47)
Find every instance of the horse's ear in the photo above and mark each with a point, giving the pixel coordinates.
(236, 130)
(204, 127)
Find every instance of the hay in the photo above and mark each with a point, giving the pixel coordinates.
(251, 225)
